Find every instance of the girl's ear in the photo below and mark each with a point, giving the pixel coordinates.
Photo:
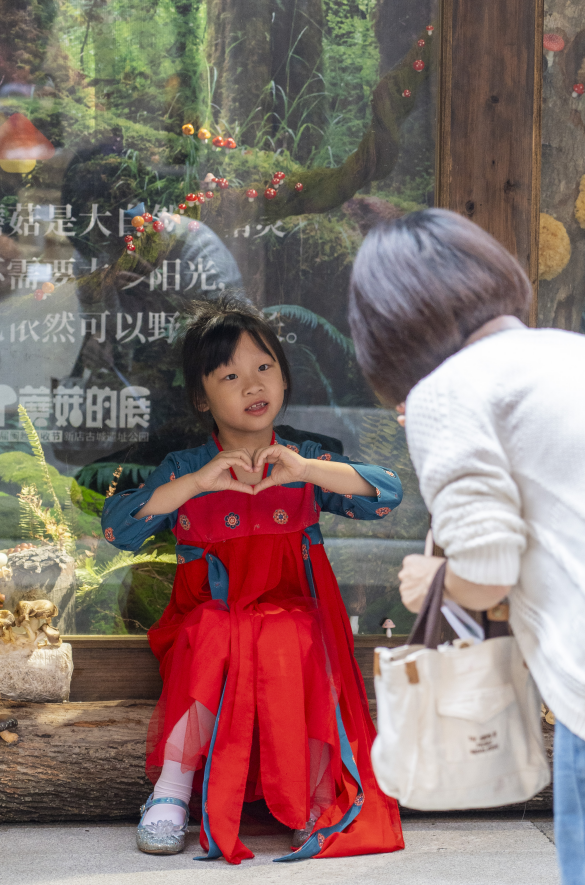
(284, 384)
(201, 405)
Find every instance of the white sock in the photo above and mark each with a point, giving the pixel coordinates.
(172, 783)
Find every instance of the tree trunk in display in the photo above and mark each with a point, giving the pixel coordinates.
(561, 300)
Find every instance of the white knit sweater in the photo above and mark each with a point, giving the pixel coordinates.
(497, 438)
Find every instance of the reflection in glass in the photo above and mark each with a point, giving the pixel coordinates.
(168, 124)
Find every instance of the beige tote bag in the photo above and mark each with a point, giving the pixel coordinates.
(458, 723)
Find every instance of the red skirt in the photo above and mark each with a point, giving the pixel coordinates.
(286, 660)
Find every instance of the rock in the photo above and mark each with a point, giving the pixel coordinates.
(43, 573)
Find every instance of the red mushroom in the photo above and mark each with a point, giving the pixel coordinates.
(223, 183)
(191, 199)
(209, 195)
(430, 30)
(407, 93)
(578, 89)
(418, 65)
(39, 295)
(147, 217)
(158, 226)
(230, 144)
(130, 247)
(200, 197)
(270, 193)
(21, 145)
(299, 186)
(420, 43)
(193, 225)
(552, 43)
(251, 194)
(182, 207)
(128, 238)
(218, 143)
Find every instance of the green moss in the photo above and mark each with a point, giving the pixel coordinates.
(17, 469)
(9, 518)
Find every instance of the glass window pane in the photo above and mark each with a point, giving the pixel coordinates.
(181, 116)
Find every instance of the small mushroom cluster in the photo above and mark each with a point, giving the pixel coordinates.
(34, 617)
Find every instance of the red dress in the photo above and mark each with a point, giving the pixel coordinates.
(276, 651)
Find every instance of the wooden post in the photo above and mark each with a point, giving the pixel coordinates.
(488, 158)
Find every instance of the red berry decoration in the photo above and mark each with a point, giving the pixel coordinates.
(578, 89)
(420, 43)
(407, 93)
(128, 238)
(182, 207)
(130, 247)
(193, 225)
(158, 226)
(230, 143)
(191, 199)
(251, 194)
(223, 183)
(418, 65)
(270, 193)
(299, 186)
(209, 195)
(218, 142)
(147, 217)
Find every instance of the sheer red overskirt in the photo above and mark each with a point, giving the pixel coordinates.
(286, 660)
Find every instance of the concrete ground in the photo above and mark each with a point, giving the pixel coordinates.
(439, 851)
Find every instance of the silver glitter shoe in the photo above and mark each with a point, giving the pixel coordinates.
(163, 836)
(301, 836)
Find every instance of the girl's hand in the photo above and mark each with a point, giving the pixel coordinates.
(415, 578)
(401, 409)
(215, 476)
(287, 466)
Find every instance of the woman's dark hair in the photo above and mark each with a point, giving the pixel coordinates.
(214, 329)
(419, 288)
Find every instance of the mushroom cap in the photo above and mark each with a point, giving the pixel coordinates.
(251, 192)
(554, 247)
(553, 42)
(388, 624)
(20, 140)
(579, 88)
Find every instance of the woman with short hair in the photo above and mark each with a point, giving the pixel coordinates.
(495, 419)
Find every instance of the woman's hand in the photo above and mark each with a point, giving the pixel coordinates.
(416, 577)
(287, 466)
(215, 476)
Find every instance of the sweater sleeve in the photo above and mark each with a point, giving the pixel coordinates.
(465, 479)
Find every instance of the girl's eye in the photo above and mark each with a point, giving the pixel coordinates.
(231, 377)
(263, 367)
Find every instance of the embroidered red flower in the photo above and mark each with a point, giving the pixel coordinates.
(382, 511)
(350, 514)
(180, 559)
(326, 491)
(377, 492)
(172, 477)
(320, 840)
(232, 520)
(109, 535)
(324, 457)
(359, 799)
(148, 518)
(206, 808)
(348, 496)
(304, 551)
(292, 448)
(389, 472)
(184, 522)
(141, 486)
(280, 516)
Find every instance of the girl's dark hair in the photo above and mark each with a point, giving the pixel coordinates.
(214, 329)
(419, 288)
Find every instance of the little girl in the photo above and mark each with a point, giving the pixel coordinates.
(262, 697)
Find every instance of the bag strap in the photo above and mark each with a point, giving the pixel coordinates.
(427, 627)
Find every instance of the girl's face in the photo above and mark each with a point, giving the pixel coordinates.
(247, 393)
